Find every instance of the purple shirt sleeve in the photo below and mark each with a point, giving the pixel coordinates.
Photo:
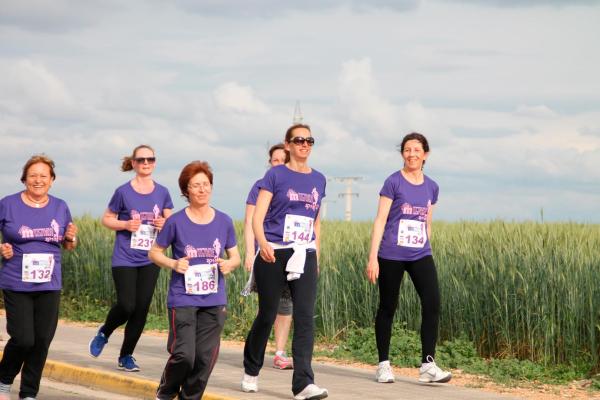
(268, 182)
(231, 239)
(167, 234)
(388, 189)
(253, 195)
(168, 201)
(116, 202)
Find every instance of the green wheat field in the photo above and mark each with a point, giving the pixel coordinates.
(524, 289)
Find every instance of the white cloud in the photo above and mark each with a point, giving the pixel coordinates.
(28, 87)
(234, 97)
(360, 97)
(511, 115)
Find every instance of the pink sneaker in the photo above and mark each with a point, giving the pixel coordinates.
(283, 362)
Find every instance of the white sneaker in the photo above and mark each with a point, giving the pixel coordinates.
(384, 373)
(249, 384)
(430, 372)
(311, 392)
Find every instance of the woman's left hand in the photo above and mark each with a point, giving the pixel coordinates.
(225, 266)
(159, 222)
(6, 250)
(71, 232)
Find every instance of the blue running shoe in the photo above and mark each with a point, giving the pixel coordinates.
(97, 343)
(127, 363)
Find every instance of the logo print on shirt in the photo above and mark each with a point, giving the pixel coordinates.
(311, 199)
(422, 212)
(51, 234)
(145, 215)
(210, 253)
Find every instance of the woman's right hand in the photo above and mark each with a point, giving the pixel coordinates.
(133, 225)
(249, 262)
(182, 265)
(6, 250)
(372, 270)
(267, 253)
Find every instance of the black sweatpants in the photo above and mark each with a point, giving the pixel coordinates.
(31, 319)
(194, 341)
(270, 279)
(134, 287)
(424, 276)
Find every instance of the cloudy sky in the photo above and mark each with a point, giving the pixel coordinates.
(508, 93)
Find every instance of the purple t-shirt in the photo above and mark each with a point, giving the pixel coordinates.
(203, 243)
(129, 204)
(253, 195)
(294, 194)
(32, 231)
(405, 235)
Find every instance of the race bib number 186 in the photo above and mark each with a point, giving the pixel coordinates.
(202, 279)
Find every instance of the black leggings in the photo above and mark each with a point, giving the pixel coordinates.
(424, 276)
(31, 319)
(270, 280)
(135, 287)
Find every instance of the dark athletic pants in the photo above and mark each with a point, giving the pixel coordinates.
(424, 276)
(31, 319)
(134, 287)
(194, 340)
(270, 279)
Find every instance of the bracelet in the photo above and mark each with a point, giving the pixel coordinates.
(73, 240)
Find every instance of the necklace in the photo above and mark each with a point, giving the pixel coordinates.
(38, 204)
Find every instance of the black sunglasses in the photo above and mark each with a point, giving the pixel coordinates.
(141, 160)
(299, 140)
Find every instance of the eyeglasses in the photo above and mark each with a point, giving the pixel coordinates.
(197, 186)
(141, 160)
(299, 140)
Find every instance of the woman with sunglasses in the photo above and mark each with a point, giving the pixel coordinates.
(199, 237)
(34, 227)
(283, 321)
(286, 225)
(137, 211)
(400, 242)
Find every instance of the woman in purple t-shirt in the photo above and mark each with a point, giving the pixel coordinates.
(286, 225)
(199, 236)
(400, 242)
(283, 321)
(137, 211)
(34, 226)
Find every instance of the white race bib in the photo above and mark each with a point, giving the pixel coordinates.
(202, 279)
(298, 229)
(143, 238)
(37, 267)
(412, 233)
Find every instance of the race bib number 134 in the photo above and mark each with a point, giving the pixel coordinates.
(412, 233)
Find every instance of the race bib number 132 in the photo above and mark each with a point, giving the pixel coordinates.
(37, 267)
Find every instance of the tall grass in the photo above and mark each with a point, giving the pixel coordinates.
(526, 290)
